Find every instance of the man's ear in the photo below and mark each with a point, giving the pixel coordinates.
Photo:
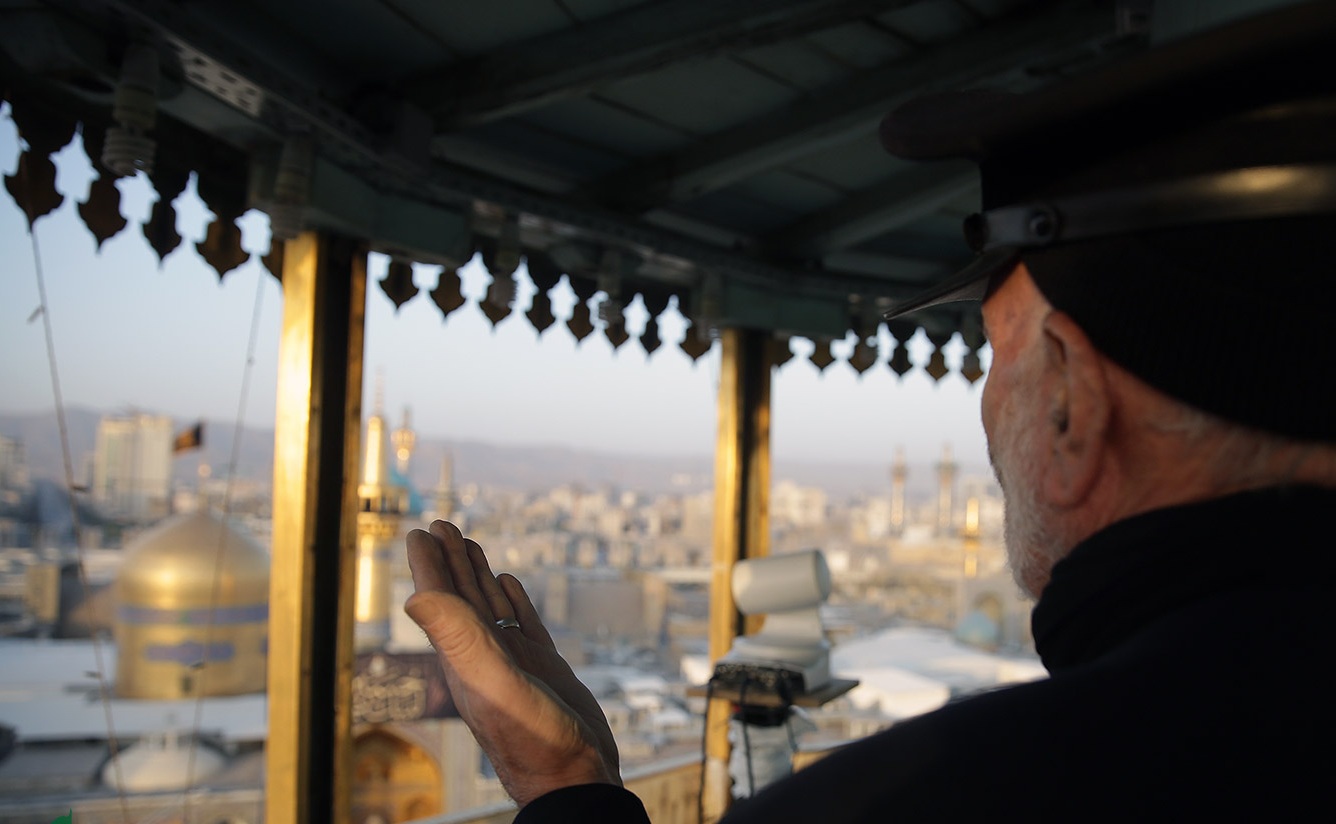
(1080, 411)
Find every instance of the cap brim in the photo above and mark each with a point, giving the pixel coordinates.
(969, 284)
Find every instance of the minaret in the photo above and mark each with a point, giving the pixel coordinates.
(373, 457)
(404, 439)
(444, 494)
(946, 478)
(380, 504)
(970, 535)
(899, 473)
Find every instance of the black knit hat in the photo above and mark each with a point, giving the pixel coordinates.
(1180, 207)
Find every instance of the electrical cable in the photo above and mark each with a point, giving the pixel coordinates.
(221, 551)
(704, 756)
(104, 691)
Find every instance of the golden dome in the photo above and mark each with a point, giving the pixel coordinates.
(193, 611)
(176, 563)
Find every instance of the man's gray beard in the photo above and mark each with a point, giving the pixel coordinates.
(1033, 544)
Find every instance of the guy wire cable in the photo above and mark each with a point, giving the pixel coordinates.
(221, 551)
(44, 309)
(704, 755)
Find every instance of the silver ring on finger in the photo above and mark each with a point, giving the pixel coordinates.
(507, 623)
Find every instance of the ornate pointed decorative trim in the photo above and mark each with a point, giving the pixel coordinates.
(398, 283)
(581, 323)
(33, 186)
(448, 295)
(937, 368)
(101, 213)
(160, 229)
(221, 247)
(863, 357)
(696, 342)
(821, 356)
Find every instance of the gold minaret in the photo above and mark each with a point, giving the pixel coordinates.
(970, 536)
(946, 477)
(380, 506)
(404, 439)
(899, 473)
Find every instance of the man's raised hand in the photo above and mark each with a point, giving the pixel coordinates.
(541, 727)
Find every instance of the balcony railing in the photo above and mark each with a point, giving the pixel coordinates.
(669, 788)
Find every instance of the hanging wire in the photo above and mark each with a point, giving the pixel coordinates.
(221, 551)
(44, 308)
(704, 754)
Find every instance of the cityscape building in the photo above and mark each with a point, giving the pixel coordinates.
(132, 466)
(621, 577)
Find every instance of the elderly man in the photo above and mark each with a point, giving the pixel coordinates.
(1156, 259)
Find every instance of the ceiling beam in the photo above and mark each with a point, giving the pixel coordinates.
(646, 37)
(849, 109)
(906, 197)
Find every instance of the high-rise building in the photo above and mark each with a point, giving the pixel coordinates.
(13, 464)
(132, 466)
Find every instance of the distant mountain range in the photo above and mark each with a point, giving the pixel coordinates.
(529, 468)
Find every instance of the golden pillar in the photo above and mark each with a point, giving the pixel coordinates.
(316, 435)
(741, 519)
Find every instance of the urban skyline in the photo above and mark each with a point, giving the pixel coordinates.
(173, 339)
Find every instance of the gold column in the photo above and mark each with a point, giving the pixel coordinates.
(316, 435)
(741, 518)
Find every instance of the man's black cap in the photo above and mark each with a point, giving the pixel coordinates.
(1180, 206)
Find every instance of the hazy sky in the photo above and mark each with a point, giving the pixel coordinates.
(172, 339)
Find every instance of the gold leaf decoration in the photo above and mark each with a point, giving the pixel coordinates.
(101, 213)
